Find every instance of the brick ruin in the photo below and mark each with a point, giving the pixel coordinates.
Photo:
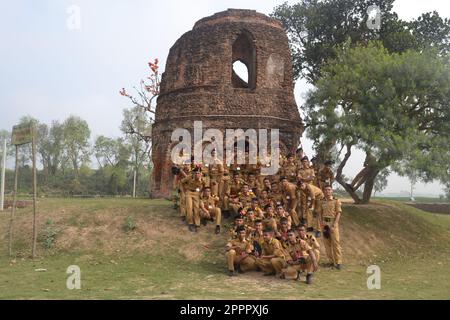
(199, 83)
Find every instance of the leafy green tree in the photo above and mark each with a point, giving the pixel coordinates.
(316, 27)
(392, 106)
(381, 181)
(76, 142)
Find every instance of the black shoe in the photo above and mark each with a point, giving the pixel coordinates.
(317, 234)
(338, 266)
(192, 228)
(231, 273)
(309, 277)
(226, 214)
(204, 222)
(183, 218)
(217, 230)
(269, 274)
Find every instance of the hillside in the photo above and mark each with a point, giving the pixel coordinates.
(140, 249)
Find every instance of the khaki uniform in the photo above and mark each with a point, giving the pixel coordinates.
(210, 204)
(224, 185)
(234, 255)
(259, 213)
(328, 210)
(277, 198)
(215, 176)
(193, 191)
(298, 254)
(289, 170)
(254, 186)
(232, 193)
(314, 244)
(307, 175)
(256, 239)
(276, 264)
(290, 200)
(205, 175)
(315, 195)
(325, 176)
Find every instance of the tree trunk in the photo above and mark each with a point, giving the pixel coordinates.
(368, 185)
(349, 191)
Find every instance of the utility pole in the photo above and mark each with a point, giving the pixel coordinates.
(2, 188)
(134, 183)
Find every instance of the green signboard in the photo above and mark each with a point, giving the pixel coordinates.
(22, 134)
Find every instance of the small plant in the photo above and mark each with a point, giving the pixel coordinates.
(129, 224)
(49, 235)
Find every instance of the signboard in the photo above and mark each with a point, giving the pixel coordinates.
(22, 134)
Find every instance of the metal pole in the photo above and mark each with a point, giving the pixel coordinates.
(2, 187)
(134, 184)
(13, 209)
(33, 252)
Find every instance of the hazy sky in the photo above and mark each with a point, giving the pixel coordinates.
(50, 71)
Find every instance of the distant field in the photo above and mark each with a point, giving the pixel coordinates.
(417, 199)
(139, 249)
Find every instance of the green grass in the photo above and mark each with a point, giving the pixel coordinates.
(411, 247)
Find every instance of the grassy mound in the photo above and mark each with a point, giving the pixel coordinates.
(129, 248)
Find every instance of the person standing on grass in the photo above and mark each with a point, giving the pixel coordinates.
(329, 212)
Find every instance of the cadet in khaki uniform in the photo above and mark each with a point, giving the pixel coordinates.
(311, 197)
(238, 254)
(299, 257)
(232, 194)
(253, 183)
(259, 213)
(329, 214)
(209, 208)
(238, 222)
(306, 173)
(194, 185)
(272, 259)
(325, 176)
(186, 168)
(275, 194)
(289, 169)
(215, 173)
(290, 200)
(246, 196)
(269, 220)
(256, 237)
(264, 199)
(310, 239)
(282, 233)
(224, 185)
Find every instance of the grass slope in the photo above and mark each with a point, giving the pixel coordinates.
(160, 259)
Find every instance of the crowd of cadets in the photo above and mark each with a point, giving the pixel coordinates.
(277, 219)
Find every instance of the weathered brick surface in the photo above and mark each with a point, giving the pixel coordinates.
(198, 84)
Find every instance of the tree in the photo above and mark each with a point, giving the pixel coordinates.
(392, 106)
(138, 120)
(140, 148)
(316, 27)
(76, 142)
(113, 156)
(381, 181)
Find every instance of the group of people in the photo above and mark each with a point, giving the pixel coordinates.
(277, 219)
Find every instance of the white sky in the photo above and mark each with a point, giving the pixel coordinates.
(49, 71)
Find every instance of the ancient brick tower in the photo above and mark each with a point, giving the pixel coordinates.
(199, 84)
